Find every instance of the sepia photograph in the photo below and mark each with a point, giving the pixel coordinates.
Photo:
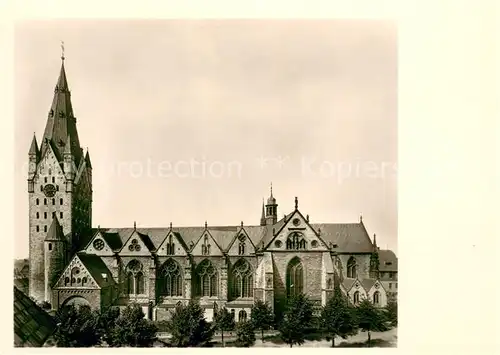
(206, 183)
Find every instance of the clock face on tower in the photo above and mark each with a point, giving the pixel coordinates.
(49, 190)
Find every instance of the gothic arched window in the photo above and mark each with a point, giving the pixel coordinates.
(207, 279)
(139, 283)
(295, 241)
(242, 279)
(355, 297)
(242, 316)
(170, 246)
(205, 247)
(376, 297)
(171, 277)
(294, 278)
(134, 278)
(241, 245)
(352, 268)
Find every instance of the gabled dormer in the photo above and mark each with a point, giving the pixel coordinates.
(172, 245)
(137, 244)
(296, 234)
(206, 245)
(241, 244)
(98, 245)
(76, 275)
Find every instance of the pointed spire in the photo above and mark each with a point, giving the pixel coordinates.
(67, 147)
(360, 218)
(271, 200)
(263, 215)
(135, 226)
(241, 224)
(170, 225)
(61, 122)
(87, 159)
(374, 241)
(34, 147)
(206, 224)
(62, 82)
(55, 232)
(296, 203)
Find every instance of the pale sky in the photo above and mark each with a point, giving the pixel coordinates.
(190, 121)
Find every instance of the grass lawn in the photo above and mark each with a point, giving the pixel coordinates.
(386, 339)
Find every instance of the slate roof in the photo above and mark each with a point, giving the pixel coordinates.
(32, 325)
(61, 123)
(97, 268)
(386, 256)
(368, 284)
(347, 283)
(55, 232)
(348, 237)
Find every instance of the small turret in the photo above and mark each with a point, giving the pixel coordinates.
(34, 159)
(54, 256)
(271, 209)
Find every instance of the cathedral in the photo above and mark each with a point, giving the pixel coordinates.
(72, 262)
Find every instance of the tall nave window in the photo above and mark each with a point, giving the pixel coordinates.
(352, 268)
(134, 278)
(242, 279)
(294, 278)
(170, 275)
(207, 279)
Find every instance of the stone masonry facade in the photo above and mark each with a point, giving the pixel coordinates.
(70, 262)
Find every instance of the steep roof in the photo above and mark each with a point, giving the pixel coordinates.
(388, 261)
(61, 122)
(97, 269)
(55, 232)
(32, 325)
(34, 148)
(87, 159)
(349, 237)
(368, 284)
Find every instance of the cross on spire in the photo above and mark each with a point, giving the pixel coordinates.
(62, 50)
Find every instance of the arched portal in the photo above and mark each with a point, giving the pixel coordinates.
(76, 301)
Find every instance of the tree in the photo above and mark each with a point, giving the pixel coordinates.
(224, 321)
(131, 328)
(245, 332)
(76, 327)
(370, 318)
(296, 320)
(262, 317)
(391, 313)
(337, 317)
(188, 326)
(106, 324)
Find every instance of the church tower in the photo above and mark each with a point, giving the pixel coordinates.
(59, 187)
